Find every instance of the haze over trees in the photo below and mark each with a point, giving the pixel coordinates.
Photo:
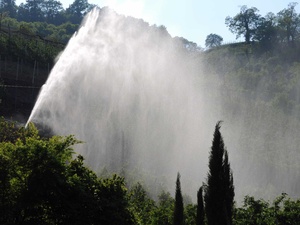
(41, 183)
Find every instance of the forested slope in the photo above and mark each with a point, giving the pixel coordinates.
(255, 89)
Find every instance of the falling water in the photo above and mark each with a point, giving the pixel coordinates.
(139, 102)
(128, 91)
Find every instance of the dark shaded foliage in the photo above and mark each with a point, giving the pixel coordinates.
(200, 207)
(219, 190)
(42, 184)
(178, 209)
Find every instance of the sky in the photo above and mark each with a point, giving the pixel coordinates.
(191, 19)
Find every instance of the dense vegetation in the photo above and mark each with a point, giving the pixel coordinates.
(44, 182)
(268, 30)
(49, 11)
(265, 67)
(269, 40)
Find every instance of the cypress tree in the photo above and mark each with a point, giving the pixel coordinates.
(178, 210)
(219, 192)
(200, 207)
(228, 189)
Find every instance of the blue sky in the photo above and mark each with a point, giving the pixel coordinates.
(191, 19)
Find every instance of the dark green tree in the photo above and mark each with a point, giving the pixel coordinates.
(8, 6)
(289, 23)
(219, 191)
(31, 11)
(190, 214)
(266, 33)
(244, 23)
(142, 204)
(23, 12)
(178, 208)
(35, 10)
(186, 44)
(213, 40)
(77, 10)
(282, 211)
(200, 207)
(41, 183)
(163, 214)
(51, 10)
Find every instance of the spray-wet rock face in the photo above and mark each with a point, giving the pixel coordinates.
(139, 100)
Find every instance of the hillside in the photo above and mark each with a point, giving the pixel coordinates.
(269, 76)
(25, 62)
(143, 105)
(259, 95)
(254, 89)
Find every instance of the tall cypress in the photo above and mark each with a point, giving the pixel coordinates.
(228, 188)
(200, 207)
(219, 191)
(178, 210)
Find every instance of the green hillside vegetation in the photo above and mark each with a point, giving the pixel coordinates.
(266, 66)
(269, 76)
(20, 41)
(43, 181)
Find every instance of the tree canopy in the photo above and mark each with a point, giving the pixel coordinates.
(50, 11)
(244, 23)
(41, 183)
(213, 40)
(282, 27)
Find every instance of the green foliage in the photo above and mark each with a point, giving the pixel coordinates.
(34, 40)
(269, 30)
(10, 131)
(288, 23)
(163, 214)
(254, 212)
(244, 23)
(289, 214)
(42, 184)
(213, 40)
(270, 77)
(50, 11)
(25, 44)
(9, 7)
(190, 212)
(283, 211)
(34, 176)
(143, 206)
(77, 10)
